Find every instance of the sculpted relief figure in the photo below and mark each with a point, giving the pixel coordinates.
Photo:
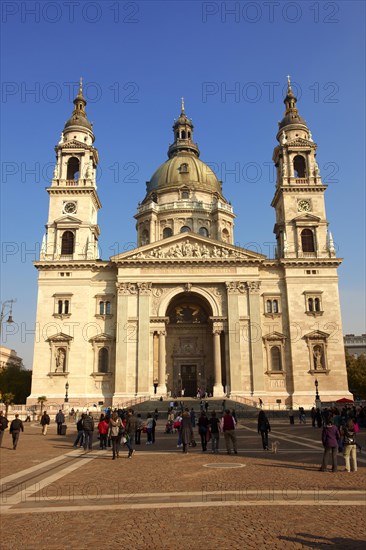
(189, 250)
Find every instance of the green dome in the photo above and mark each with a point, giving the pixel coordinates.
(184, 169)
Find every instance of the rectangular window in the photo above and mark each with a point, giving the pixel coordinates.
(62, 305)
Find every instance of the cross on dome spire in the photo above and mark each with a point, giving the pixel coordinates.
(182, 104)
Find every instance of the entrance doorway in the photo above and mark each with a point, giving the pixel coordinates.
(189, 379)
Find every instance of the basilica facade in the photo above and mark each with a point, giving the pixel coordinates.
(187, 308)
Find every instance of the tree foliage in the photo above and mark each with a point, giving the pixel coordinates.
(356, 371)
(7, 399)
(16, 380)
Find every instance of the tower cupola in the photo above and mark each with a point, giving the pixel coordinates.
(78, 122)
(292, 115)
(183, 136)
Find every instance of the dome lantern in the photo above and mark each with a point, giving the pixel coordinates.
(183, 133)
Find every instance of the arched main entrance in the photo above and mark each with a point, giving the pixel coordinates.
(189, 345)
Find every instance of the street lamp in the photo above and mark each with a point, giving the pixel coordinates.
(66, 392)
(2, 315)
(317, 398)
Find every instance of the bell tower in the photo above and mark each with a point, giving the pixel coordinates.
(301, 227)
(72, 231)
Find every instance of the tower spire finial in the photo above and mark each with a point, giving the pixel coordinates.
(289, 89)
(182, 104)
(81, 86)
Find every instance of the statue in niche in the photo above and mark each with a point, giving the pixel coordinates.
(55, 172)
(318, 355)
(283, 138)
(60, 360)
(89, 170)
(284, 168)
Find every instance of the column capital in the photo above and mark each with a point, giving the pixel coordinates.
(144, 288)
(235, 287)
(126, 288)
(253, 287)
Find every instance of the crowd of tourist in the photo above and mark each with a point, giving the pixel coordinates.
(123, 428)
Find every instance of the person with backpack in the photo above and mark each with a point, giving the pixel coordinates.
(45, 421)
(228, 428)
(3, 425)
(349, 446)
(60, 419)
(263, 428)
(330, 439)
(88, 427)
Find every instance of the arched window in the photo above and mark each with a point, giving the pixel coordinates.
(67, 245)
(66, 306)
(203, 231)
(108, 308)
(59, 307)
(275, 306)
(103, 360)
(73, 169)
(183, 134)
(269, 306)
(185, 229)
(101, 308)
(189, 135)
(299, 167)
(185, 195)
(167, 232)
(183, 168)
(307, 240)
(317, 304)
(276, 364)
(311, 304)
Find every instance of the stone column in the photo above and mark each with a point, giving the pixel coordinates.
(161, 389)
(125, 291)
(143, 346)
(255, 338)
(217, 389)
(236, 291)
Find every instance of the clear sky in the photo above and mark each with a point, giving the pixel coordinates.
(229, 60)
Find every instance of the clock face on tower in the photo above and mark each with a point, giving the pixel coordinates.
(304, 206)
(69, 207)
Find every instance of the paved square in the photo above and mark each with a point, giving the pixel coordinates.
(54, 496)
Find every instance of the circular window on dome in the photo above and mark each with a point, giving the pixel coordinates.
(185, 229)
(203, 231)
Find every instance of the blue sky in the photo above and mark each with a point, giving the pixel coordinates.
(229, 60)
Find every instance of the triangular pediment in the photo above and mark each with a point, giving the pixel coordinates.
(102, 338)
(300, 142)
(188, 246)
(60, 337)
(316, 335)
(67, 220)
(274, 336)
